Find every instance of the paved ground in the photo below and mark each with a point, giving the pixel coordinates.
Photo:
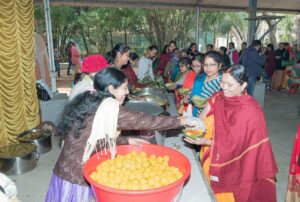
(64, 83)
(282, 115)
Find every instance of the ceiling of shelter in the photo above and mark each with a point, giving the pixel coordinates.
(262, 5)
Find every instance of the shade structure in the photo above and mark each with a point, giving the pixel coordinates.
(238, 5)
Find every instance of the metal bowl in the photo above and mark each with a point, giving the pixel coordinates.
(145, 107)
(18, 158)
(40, 137)
(151, 93)
(151, 89)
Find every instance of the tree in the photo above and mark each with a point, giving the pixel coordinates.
(95, 24)
(94, 27)
(239, 25)
(63, 25)
(161, 26)
(62, 19)
(297, 29)
(39, 19)
(224, 23)
(286, 27)
(272, 33)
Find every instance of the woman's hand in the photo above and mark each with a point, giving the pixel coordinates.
(193, 123)
(198, 141)
(137, 141)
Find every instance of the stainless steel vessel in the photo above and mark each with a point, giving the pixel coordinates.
(40, 137)
(143, 106)
(18, 158)
(155, 95)
(150, 109)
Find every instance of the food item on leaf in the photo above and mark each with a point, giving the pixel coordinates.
(183, 91)
(191, 133)
(199, 101)
(136, 171)
(170, 86)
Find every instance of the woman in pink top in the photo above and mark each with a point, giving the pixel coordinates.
(76, 62)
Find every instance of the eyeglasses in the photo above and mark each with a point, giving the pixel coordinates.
(210, 65)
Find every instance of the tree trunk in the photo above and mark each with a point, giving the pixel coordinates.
(84, 41)
(205, 39)
(111, 38)
(227, 39)
(237, 34)
(272, 34)
(215, 38)
(125, 35)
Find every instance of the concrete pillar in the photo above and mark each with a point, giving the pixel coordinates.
(252, 22)
(50, 45)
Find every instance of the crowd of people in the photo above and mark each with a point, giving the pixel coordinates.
(236, 153)
(267, 63)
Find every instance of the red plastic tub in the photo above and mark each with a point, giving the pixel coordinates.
(169, 193)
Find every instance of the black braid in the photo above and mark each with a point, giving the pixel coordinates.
(86, 104)
(78, 110)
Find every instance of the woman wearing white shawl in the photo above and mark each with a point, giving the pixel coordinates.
(97, 117)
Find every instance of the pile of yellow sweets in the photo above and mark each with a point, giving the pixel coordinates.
(136, 171)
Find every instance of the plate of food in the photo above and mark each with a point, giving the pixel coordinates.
(193, 133)
(184, 91)
(199, 101)
(170, 86)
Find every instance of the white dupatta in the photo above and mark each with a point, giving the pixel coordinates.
(104, 129)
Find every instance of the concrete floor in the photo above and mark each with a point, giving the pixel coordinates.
(282, 115)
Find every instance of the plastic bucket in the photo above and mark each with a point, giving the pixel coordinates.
(169, 193)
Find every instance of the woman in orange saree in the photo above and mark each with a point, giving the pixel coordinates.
(239, 162)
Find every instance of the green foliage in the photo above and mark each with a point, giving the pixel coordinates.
(97, 30)
(161, 26)
(63, 21)
(222, 23)
(39, 22)
(286, 28)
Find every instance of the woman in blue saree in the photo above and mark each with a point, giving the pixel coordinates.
(208, 82)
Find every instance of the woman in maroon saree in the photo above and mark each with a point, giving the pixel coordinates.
(242, 166)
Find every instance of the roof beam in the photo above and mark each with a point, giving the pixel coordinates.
(169, 4)
(117, 3)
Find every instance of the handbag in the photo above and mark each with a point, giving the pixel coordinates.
(42, 93)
